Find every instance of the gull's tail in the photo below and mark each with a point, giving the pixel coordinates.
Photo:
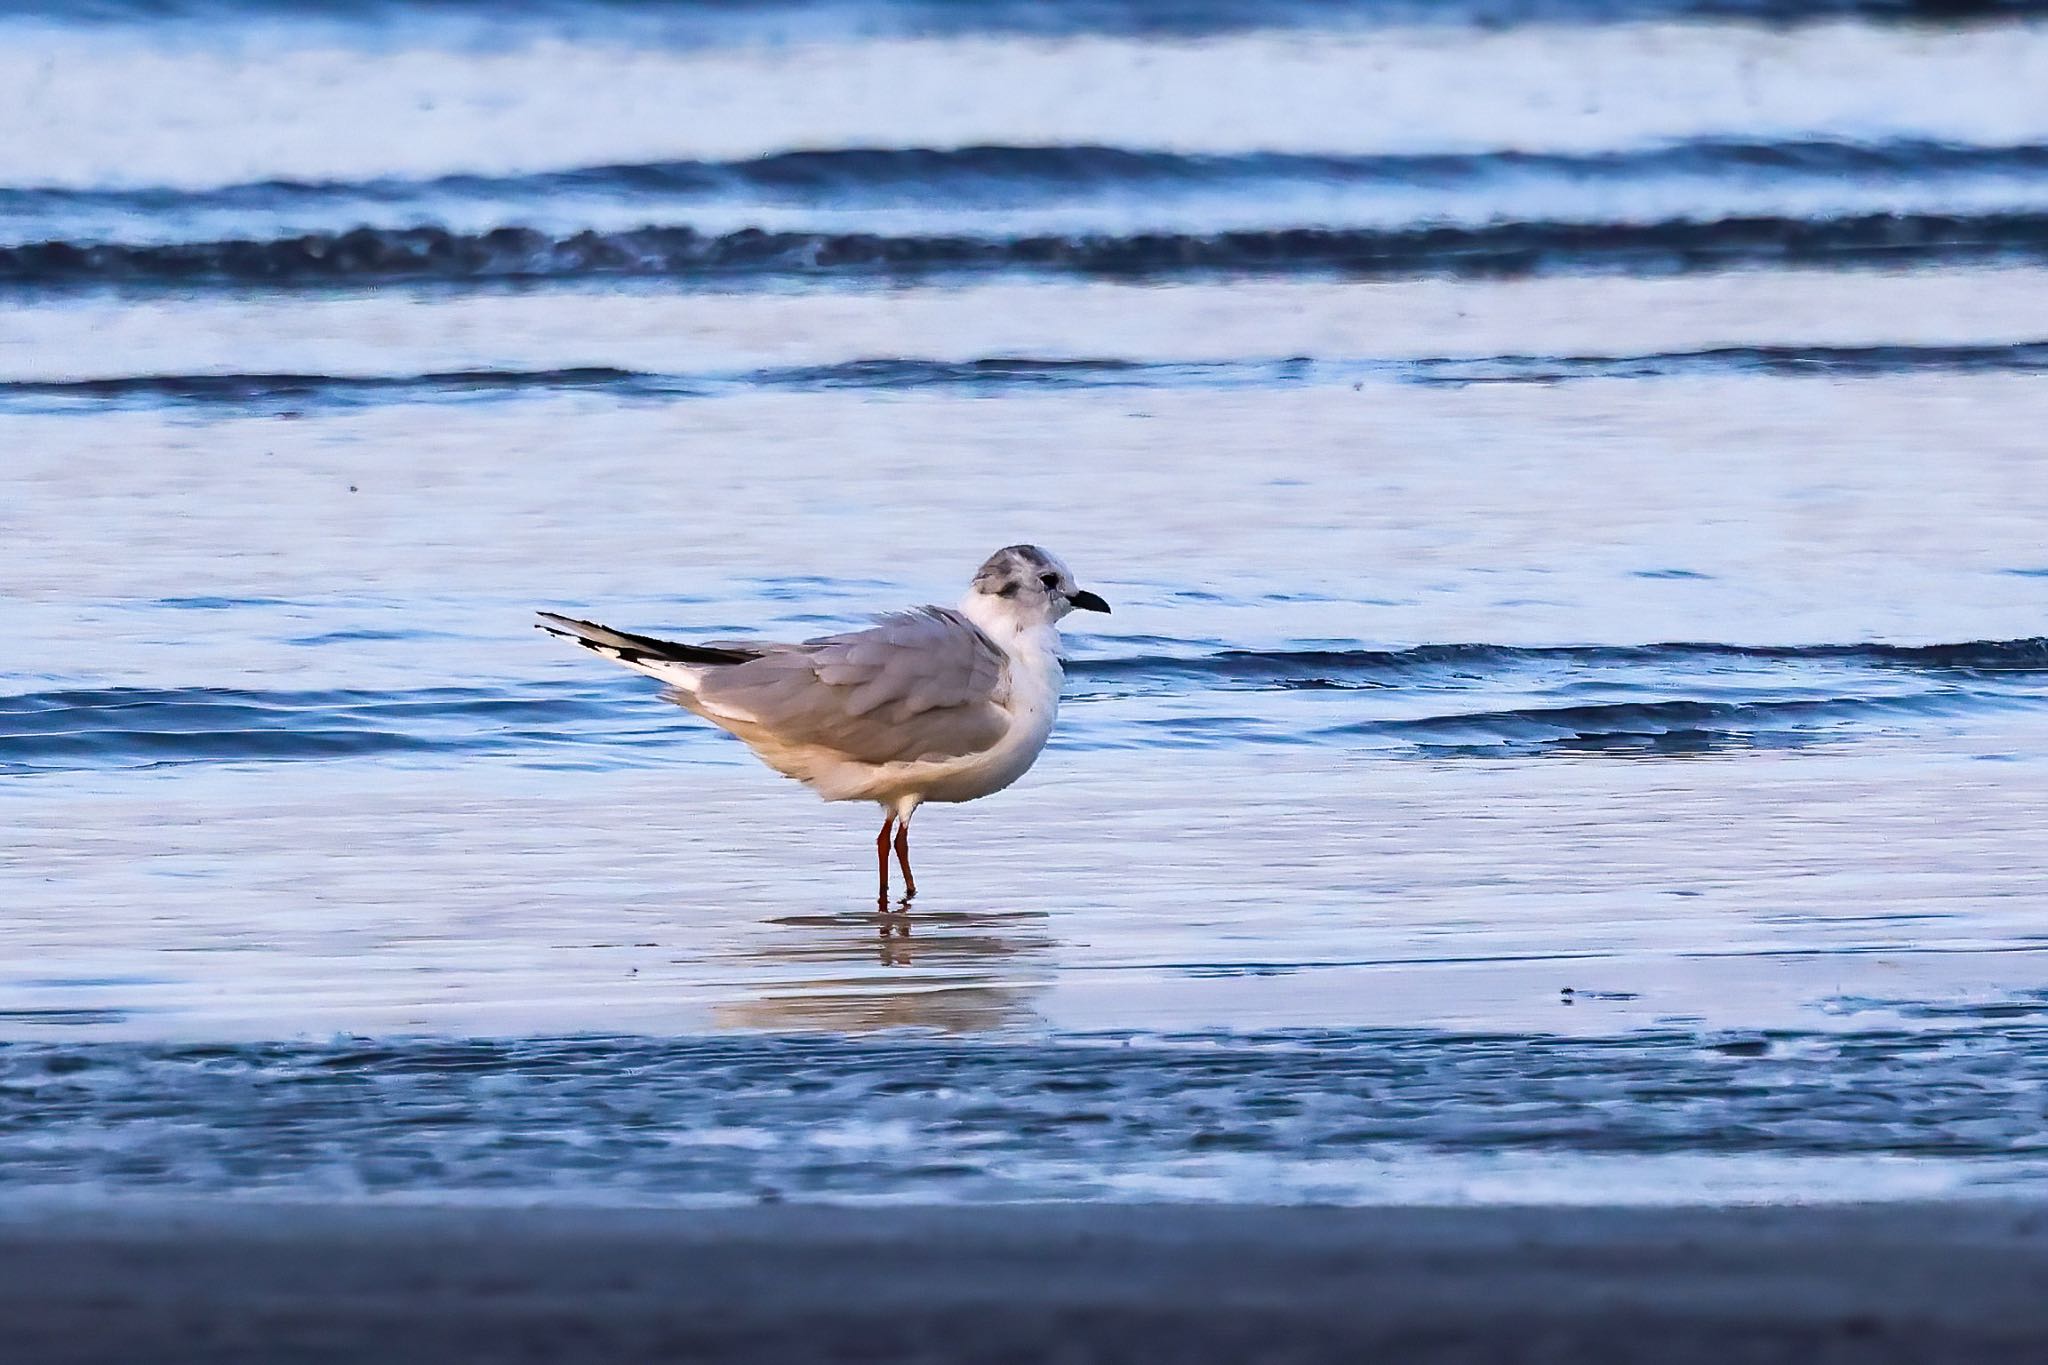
(675, 663)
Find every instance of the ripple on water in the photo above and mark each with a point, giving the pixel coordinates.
(1473, 700)
(1347, 1115)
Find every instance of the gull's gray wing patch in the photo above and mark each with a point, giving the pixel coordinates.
(924, 684)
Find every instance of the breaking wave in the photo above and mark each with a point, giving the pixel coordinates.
(1007, 374)
(679, 253)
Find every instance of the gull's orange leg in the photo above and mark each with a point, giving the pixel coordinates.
(903, 858)
(882, 861)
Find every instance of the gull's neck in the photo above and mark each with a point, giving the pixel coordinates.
(1030, 639)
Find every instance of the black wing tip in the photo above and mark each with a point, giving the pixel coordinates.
(555, 623)
(632, 648)
(705, 654)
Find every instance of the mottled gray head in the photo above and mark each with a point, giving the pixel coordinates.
(1028, 584)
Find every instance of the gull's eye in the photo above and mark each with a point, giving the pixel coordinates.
(1051, 580)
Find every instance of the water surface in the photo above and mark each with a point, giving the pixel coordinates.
(1575, 718)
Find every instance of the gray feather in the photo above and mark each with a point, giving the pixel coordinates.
(922, 684)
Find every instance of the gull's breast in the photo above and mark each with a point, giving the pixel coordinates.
(1033, 705)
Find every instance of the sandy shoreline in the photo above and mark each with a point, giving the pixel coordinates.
(166, 1281)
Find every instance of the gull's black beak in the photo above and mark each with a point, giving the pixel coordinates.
(1088, 601)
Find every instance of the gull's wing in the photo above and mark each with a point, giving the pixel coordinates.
(925, 684)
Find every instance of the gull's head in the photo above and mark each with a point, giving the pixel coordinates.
(1022, 586)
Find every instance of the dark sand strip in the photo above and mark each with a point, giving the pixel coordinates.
(786, 1285)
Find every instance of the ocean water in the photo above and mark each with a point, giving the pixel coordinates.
(1569, 474)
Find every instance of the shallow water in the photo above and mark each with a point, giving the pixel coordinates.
(1294, 1117)
(1574, 723)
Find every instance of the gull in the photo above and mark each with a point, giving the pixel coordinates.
(930, 704)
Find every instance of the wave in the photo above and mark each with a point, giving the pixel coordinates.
(1514, 249)
(1483, 700)
(2025, 357)
(1011, 176)
(1075, 192)
(1659, 727)
(1528, 699)
(1005, 374)
(233, 388)
(791, 20)
(2022, 656)
(1011, 372)
(148, 727)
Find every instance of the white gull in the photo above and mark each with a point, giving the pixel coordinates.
(931, 704)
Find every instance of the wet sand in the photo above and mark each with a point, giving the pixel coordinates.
(184, 1281)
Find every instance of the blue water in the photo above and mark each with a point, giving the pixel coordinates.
(1303, 1116)
(1469, 700)
(1574, 724)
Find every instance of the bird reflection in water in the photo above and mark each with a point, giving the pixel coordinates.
(893, 927)
(957, 972)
